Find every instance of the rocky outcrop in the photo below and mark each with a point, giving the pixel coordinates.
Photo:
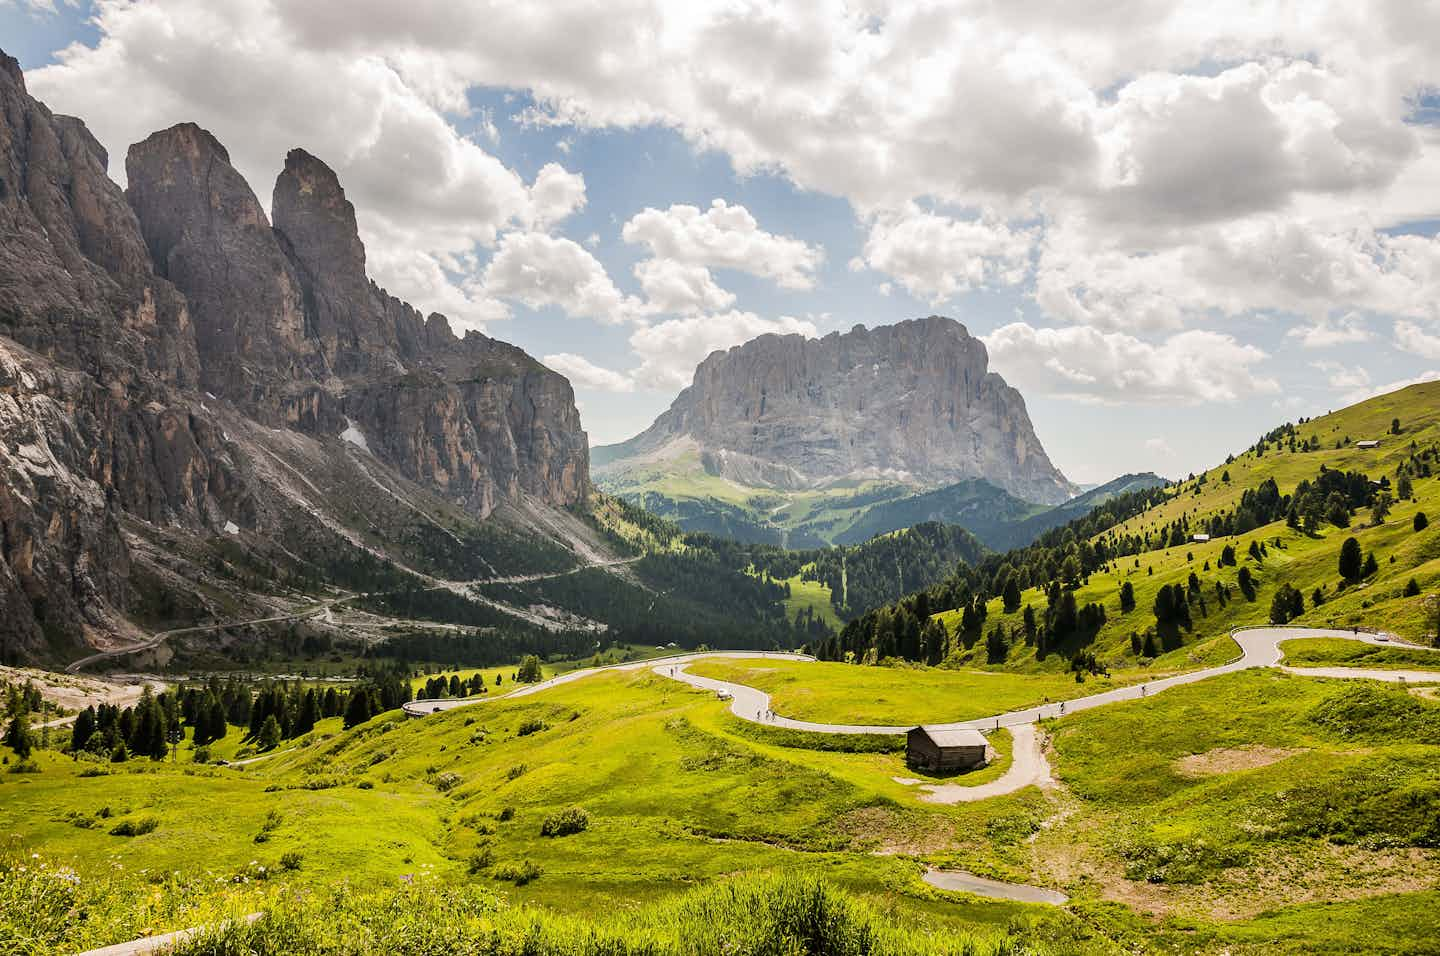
(913, 402)
(147, 335)
(208, 234)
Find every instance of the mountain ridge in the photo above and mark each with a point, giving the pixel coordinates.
(912, 402)
(176, 373)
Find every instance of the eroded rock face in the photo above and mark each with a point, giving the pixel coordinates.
(120, 311)
(913, 401)
(207, 233)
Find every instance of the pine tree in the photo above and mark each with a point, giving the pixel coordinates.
(1127, 597)
(1371, 565)
(1421, 522)
(357, 711)
(1351, 560)
(1011, 595)
(307, 715)
(83, 730)
(17, 737)
(269, 736)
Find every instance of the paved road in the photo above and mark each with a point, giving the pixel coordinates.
(161, 637)
(419, 708)
(1259, 647)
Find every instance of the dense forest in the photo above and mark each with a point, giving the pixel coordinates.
(1063, 558)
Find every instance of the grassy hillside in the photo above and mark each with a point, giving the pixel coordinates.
(1154, 550)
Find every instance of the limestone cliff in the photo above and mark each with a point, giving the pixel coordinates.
(913, 402)
(174, 371)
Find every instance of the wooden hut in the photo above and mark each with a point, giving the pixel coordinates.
(933, 749)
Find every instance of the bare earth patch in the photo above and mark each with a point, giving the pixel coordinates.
(75, 692)
(1230, 760)
(1074, 851)
(883, 831)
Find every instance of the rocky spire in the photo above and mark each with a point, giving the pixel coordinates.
(207, 234)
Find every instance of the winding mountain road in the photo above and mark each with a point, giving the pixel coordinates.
(1259, 647)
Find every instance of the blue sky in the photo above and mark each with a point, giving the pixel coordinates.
(1167, 259)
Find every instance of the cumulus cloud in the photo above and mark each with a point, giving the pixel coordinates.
(1342, 376)
(670, 350)
(1411, 338)
(674, 287)
(584, 373)
(724, 237)
(1363, 394)
(1142, 195)
(425, 195)
(935, 257)
(1114, 368)
(1327, 333)
(541, 270)
(1267, 263)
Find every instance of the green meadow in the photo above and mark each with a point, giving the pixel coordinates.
(901, 694)
(681, 798)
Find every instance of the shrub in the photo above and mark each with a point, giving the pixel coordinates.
(506, 813)
(290, 860)
(130, 828)
(447, 781)
(481, 859)
(519, 873)
(202, 754)
(516, 771)
(531, 725)
(565, 822)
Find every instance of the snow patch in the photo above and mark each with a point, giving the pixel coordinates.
(354, 435)
(232, 528)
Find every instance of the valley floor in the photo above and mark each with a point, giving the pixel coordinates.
(1248, 810)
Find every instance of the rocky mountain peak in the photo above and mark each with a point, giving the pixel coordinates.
(913, 402)
(310, 208)
(11, 68)
(208, 234)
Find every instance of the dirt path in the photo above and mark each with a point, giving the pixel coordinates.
(155, 944)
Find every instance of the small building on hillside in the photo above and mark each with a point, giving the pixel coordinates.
(1200, 538)
(933, 749)
(1368, 443)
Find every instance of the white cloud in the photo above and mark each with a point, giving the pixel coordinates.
(555, 194)
(1363, 394)
(425, 196)
(1083, 363)
(1266, 263)
(540, 270)
(935, 257)
(670, 350)
(1173, 162)
(1327, 333)
(673, 287)
(586, 374)
(1409, 337)
(1160, 447)
(724, 237)
(1342, 376)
